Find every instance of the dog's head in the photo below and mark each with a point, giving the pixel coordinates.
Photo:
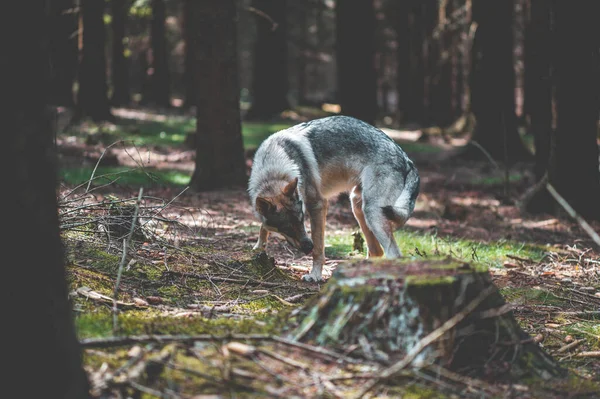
(284, 214)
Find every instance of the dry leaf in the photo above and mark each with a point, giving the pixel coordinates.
(239, 348)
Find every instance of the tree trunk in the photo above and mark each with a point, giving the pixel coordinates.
(385, 310)
(270, 73)
(44, 358)
(120, 66)
(159, 69)
(573, 168)
(220, 153)
(189, 72)
(415, 111)
(355, 58)
(493, 84)
(403, 57)
(92, 98)
(63, 52)
(441, 69)
(538, 94)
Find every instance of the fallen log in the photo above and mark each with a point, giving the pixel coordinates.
(412, 315)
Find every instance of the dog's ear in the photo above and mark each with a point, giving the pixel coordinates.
(290, 189)
(263, 206)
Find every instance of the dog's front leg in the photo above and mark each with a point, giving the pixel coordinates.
(262, 239)
(317, 214)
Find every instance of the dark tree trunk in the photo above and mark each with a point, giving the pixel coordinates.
(159, 69)
(441, 92)
(220, 153)
(303, 48)
(493, 84)
(403, 58)
(270, 73)
(573, 168)
(63, 52)
(92, 97)
(538, 85)
(120, 66)
(44, 359)
(189, 72)
(355, 58)
(385, 310)
(415, 111)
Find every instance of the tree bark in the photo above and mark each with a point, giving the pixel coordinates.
(493, 84)
(538, 53)
(415, 111)
(355, 59)
(387, 309)
(573, 165)
(270, 74)
(219, 147)
(63, 52)
(120, 66)
(159, 69)
(92, 97)
(44, 358)
(189, 72)
(403, 57)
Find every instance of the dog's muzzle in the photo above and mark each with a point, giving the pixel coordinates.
(306, 245)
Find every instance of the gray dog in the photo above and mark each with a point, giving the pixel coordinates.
(299, 168)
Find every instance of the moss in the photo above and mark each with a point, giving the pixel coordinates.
(150, 321)
(267, 304)
(531, 296)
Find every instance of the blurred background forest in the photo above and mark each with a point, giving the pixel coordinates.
(503, 77)
(495, 101)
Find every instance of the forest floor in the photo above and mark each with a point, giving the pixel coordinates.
(203, 311)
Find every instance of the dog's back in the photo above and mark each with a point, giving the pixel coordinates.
(334, 154)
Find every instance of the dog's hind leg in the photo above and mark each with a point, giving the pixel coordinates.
(383, 229)
(262, 239)
(373, 247)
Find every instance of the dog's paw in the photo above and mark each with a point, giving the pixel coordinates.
(312, 279)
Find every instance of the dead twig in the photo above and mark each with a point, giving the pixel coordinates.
(126, 242)
(584, 225)
(570, 346)
(108, 342)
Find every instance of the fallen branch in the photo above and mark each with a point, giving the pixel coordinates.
(572, 345)
(584, 225)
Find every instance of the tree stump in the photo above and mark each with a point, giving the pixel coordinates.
(442, 312)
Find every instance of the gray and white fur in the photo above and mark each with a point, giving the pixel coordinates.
(313, 161)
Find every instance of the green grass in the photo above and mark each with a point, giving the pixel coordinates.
(424, 246)
(124, 176)
(255, 132)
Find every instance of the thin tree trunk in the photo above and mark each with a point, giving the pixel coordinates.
(44, 358)
(403, 58)
(220, 154)
(493, 84)
(538, 94)
(189, 72)
(270, 75)
(416, 103)
(63, 51)
(92, 98)
(120, 65)
(159, 73)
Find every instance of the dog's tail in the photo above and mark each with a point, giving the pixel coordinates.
(405, 204)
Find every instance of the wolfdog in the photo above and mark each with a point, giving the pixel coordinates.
(298, 169)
